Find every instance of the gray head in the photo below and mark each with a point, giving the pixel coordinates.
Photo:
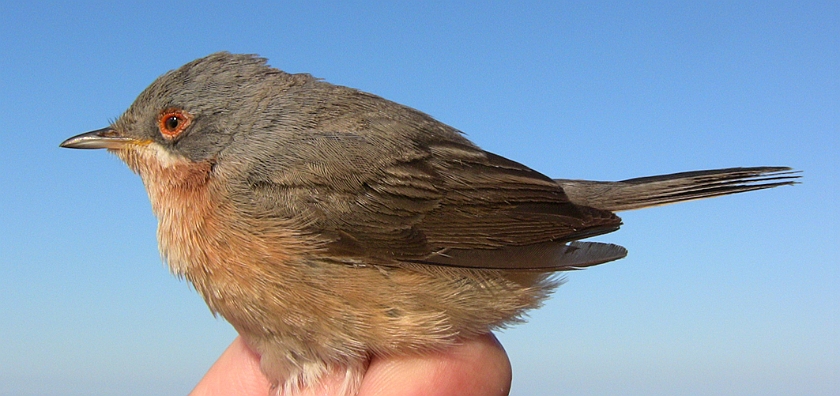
(194, 111)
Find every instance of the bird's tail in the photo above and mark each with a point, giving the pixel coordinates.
(650, 191)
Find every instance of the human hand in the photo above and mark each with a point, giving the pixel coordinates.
(476, 367)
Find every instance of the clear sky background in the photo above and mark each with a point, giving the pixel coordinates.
(733, 296)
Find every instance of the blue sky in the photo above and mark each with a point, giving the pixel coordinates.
(732, 296)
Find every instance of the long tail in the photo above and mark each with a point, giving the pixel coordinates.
(650, 191)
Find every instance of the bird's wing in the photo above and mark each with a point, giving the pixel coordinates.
(436, 202)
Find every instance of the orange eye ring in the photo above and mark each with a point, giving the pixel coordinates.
(172, 122)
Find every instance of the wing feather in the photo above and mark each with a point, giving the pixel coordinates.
(377, 200)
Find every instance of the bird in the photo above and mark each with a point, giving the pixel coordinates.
(329, 225)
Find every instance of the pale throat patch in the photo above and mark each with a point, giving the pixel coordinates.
(163, 157)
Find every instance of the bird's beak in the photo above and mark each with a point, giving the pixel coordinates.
(101, 138)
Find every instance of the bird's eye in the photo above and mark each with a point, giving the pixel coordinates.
(172, 122)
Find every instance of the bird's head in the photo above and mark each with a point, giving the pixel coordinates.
(188, 116)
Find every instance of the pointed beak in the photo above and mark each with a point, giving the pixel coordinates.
(101, 138)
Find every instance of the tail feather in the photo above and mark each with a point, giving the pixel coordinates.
(650, 191)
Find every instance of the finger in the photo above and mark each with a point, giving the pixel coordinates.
(237, 372)
(476, 367)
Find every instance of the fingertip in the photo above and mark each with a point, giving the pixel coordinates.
(477, 366)
(236, 372)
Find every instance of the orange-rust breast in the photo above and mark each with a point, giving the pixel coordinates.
(203, 240)
(181, 198)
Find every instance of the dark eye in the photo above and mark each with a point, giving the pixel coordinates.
(172, 122)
